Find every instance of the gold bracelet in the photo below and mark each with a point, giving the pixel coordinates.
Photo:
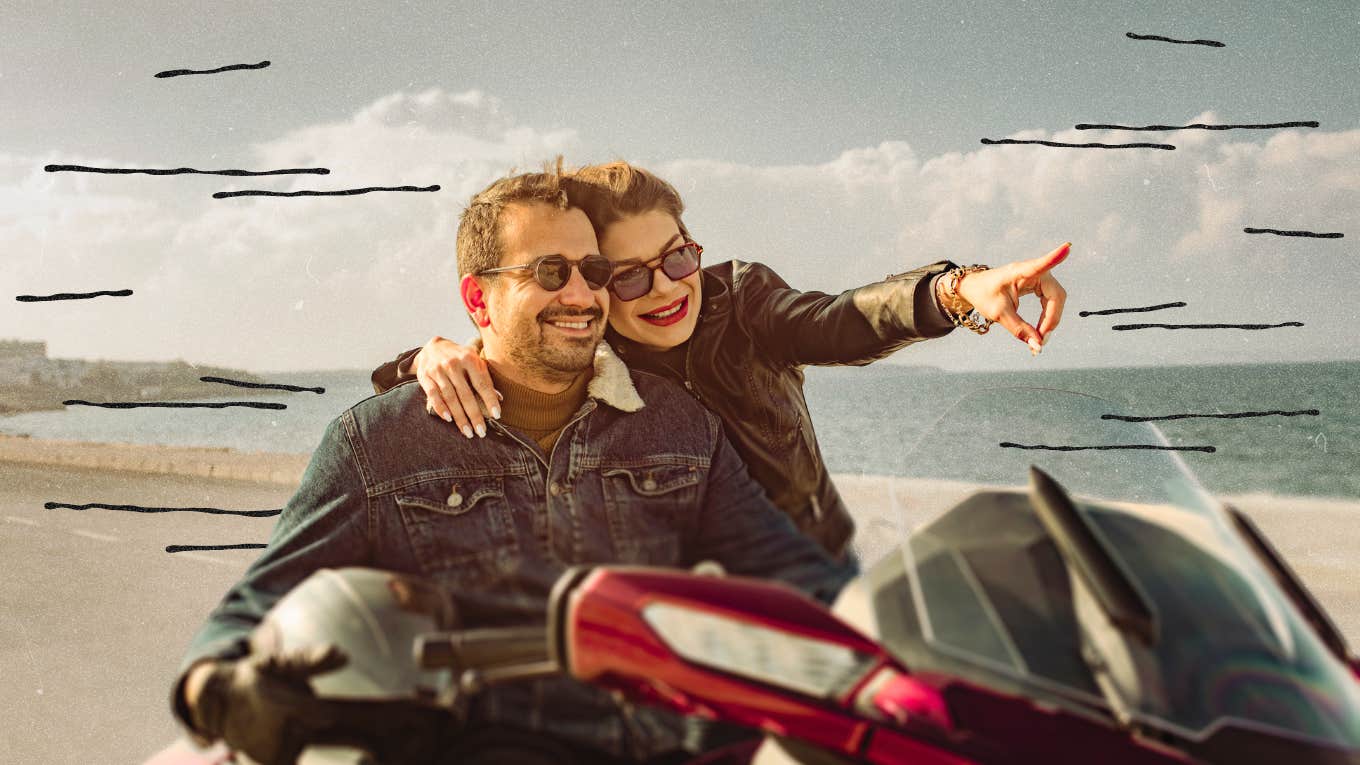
(960, 317)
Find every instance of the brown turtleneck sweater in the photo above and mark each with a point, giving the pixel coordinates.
(541, 416)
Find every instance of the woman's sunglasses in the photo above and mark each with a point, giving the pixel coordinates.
(635, 281)
(552, 272)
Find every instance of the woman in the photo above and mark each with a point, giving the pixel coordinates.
(736, 336)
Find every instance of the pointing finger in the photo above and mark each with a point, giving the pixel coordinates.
(1036, 266)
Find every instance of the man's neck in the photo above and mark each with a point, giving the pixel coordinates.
(540, 414)
(542, 383)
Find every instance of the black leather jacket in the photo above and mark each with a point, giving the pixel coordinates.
(745, 359)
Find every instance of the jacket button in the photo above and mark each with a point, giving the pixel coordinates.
(555, 489)
(455, 499)
(649, 484)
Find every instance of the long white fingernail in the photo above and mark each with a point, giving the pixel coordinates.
(447, 417)
(467, 431)
(496, 412)
(1034, 347)
(481, 431)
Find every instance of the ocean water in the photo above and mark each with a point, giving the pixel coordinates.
(868, 418)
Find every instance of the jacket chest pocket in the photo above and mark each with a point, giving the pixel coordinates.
(647, 508)
(461, 531)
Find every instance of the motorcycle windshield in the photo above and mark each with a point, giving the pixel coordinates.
(992, 595)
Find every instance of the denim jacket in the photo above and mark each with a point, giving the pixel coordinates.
(745, 362)
(642, 474)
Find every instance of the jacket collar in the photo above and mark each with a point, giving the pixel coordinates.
(611, 383)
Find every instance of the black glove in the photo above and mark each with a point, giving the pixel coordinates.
(263, 705)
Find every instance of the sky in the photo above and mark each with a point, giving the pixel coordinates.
(836, 143)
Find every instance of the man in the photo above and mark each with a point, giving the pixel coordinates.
(586, 463)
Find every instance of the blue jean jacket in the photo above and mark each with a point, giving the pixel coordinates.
(642, 474)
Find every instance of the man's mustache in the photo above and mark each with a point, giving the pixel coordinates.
(558, 314)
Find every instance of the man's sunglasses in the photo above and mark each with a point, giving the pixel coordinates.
(635, 281)
(552, 272)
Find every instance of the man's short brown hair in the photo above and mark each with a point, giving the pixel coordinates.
(479, 244)
(616, 190)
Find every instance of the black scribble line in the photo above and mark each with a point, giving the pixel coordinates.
(1159, 38)
(189, 548)
(72, 296)
(141, 509)
(1149, 447)
(1057, 144)
(337, 193)
(1110, 311)
(1199, 126)
(1207, 326)
(1228, 416)
(228, 68)
(269, 386)
(1277, 232)
(182, 171)
(174, 404)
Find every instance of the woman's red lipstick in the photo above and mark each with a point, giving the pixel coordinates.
(668, 320)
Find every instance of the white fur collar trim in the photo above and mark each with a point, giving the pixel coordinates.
(612, 384)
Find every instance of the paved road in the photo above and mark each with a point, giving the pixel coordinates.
(95, 615)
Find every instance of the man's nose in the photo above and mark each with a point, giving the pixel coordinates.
(576, 292)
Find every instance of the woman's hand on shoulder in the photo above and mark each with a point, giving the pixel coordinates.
(453, 376)
(996, 292)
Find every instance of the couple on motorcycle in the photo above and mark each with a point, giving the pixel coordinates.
(581, 458)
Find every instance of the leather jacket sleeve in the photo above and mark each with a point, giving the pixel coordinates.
(855, 327)
(740, 528)
(395, 371)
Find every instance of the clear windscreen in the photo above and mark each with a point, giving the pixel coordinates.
(989, 587)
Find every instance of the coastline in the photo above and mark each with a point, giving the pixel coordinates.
(196, 461)
(863, 492)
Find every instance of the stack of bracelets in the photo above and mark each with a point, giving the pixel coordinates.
(953, 305)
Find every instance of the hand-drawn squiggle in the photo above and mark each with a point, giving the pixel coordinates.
(227, 68)
(1159, 38)
(141, 509)
(182, 171)
(1151, 447)
(174, 404)
(1228, 416)
(189, 548)
(1200, 126)
(1060, 145)
(306, 193)
(269, 386)
(1310, 234)
(1144, 309)
(72, 296)
(1207, 326)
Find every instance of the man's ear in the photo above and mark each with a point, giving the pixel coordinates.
(474, 300)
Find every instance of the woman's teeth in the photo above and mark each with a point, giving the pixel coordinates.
(668, 312)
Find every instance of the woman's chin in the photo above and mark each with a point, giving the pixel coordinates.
(655, 338)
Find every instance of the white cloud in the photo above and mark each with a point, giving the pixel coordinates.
(322, 282)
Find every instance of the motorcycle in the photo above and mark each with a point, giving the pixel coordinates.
(1069, 594)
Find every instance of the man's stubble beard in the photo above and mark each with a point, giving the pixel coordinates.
(557, 359)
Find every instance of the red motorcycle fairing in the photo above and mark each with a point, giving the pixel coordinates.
(607, 639)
